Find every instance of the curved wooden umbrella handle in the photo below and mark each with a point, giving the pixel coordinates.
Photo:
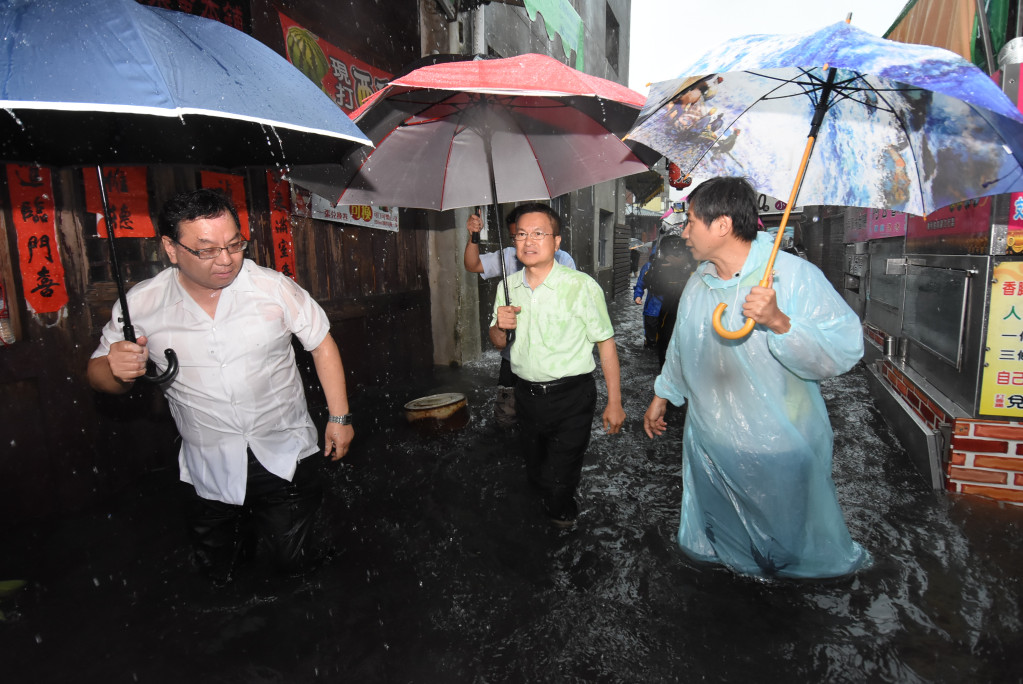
(724, 332)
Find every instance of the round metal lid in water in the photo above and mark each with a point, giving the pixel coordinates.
(434, 401)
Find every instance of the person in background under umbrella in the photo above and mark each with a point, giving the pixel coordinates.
(247, 439)
(666, 279)
(558, 315)
(757, 493)
(488, 266)
(653, 303)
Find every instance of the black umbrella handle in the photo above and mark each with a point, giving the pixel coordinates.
(168, 374)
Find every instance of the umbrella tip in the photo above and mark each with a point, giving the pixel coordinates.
(848, 18)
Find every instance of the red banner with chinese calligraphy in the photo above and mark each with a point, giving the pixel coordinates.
(280, 223)
(347, 80)
(128, 199)
(33, 211)
(961, 228)
(234, 186)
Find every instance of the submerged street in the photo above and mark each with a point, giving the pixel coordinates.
(439, 568)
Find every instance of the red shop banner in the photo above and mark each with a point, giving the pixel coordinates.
(234, 186)
(33, 211)
(279, 192)
(127, 196)
(347, 80)
(961, 228)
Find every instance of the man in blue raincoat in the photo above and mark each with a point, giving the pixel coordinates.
(757, 490)
(653, 304)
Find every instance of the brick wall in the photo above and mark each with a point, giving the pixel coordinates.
(924, 407)
(986, 456)
(987, 460)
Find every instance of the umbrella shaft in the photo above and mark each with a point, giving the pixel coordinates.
(129, 330)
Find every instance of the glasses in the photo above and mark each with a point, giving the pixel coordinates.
(535, 235)
(208, 253)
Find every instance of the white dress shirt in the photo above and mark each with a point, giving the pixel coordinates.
(238, 385)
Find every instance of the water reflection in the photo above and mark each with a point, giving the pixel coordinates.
(442, 569)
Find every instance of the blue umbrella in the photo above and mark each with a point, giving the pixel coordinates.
(905, 127)
(89, 82)
(111, 81)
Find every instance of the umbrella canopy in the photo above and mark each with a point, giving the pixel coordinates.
(540, 128)
(907, 127)
(116, 82)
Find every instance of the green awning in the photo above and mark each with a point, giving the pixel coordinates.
(561, 19)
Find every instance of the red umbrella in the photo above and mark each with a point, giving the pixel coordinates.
(480, 132)
(539, 127)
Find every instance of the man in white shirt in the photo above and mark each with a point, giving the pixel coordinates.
(488, 265)
(238, 399)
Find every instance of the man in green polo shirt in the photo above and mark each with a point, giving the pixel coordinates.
(558, 315)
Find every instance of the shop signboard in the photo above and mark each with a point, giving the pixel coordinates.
(311, 205)
(863, 225)
(1014, 236)
(345, 79)
(1001, 390)
(961, 228)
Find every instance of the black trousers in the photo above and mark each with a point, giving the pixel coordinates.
(276, 518)
(555, 431)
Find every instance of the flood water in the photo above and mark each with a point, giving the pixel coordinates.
(441, 569)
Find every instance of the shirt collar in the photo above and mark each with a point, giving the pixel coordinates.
(551, 281)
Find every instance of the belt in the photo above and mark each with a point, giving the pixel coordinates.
(539, 389)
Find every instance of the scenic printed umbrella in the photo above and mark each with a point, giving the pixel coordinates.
(891, 125)
(488, 131)
(90, 82)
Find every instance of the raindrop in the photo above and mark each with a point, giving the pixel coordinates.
(15, 117)
(95, 580)
(39, 638)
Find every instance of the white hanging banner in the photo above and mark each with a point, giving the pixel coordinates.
(310, 204)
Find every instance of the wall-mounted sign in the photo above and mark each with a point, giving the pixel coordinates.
(305, 203)
(863, 225)
(280, 223)
(961, 228)
(1001, 390)
(33, 212)
(346, 80)
(127, 198)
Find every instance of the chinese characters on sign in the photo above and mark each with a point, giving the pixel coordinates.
(862, 225)
(234, 187)
(1014, 241)
(364, 216)
(961, 228)
(280, 223)
(1001, 392)
(42, 272)
(347, 80)
(127, 197)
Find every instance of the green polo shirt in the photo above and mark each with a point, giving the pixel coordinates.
(560, 322)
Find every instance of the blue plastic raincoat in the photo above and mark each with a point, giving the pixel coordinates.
(757, 489)
(652, 306)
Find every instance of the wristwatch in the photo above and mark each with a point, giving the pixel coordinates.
(342, 420)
